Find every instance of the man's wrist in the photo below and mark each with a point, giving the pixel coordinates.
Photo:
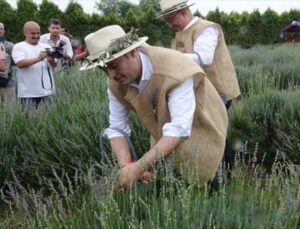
(143, 165)
(38, 59)
(125, 163)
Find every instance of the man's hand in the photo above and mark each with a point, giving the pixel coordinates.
(42, 56)
(52, 61)
(66, 57)
(131, 173)
(28, 62)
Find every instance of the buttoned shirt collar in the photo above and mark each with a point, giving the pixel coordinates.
(49, 41)
(147, 71)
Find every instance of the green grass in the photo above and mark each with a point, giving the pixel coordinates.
(252, 200)
(50, 176)
(270, 120)
(267, 67)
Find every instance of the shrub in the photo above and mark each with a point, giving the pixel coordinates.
(267, 67)
(271, 120)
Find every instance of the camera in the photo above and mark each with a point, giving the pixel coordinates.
(57, 52)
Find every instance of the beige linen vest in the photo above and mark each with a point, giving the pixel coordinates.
(221, 72)
(199, 156)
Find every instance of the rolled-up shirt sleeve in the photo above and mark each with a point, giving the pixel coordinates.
(181, 104)
(205, 46)
(118, 117)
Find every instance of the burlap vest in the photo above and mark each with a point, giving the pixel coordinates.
(221, 72)
(199, 156)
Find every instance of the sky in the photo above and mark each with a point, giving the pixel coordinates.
(204, 6)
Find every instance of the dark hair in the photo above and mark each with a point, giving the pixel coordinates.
(54, 21)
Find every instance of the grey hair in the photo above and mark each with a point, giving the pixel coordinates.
(1, 25)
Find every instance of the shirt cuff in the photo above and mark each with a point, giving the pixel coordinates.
(176, 130)
(111, 133)
(195, 57)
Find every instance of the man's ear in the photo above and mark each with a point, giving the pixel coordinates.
(131, 54)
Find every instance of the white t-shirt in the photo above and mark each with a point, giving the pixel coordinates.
(33, 81)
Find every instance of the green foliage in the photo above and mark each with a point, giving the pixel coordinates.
(49, 137)
(27, 10)
(50, 175)
(271, 27)
(108, 6)
(8, 18)
(131, 20)
(251, 201)
(266, 67)
(245, 30)
(48, 10)
(126, 6)
(145, 4)
(75, 19)
(269, 111)
(270, 119)
(155, 28)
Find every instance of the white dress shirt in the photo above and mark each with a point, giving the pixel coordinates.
(205, 45)
(181, 104)
(67, 48)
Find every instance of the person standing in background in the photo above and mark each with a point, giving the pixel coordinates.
(203, 41)
(58, 42)
(7, 84)
(2, 61)
(34, 75)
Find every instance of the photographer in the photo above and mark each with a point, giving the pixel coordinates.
(35, 78)
(59, 43)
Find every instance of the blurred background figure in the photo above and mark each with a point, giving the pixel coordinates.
(7, 84)
(81, 51)
(2, 61)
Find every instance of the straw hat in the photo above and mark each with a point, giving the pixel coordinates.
(170, 6)
(109, 43)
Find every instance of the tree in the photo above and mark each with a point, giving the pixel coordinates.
(48, 10)
(233, 28)
(108, 6)
(156, 29)
(255, 29)
(74, 19)
(27, 10)
(145, 4)
(131, 20)
(270, 27)
(125, 6)
(8, 18)
(214, 16)
(198, 14)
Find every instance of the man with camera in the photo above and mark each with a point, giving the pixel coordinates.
(61, 46)
(7, 84)
(34, 75)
